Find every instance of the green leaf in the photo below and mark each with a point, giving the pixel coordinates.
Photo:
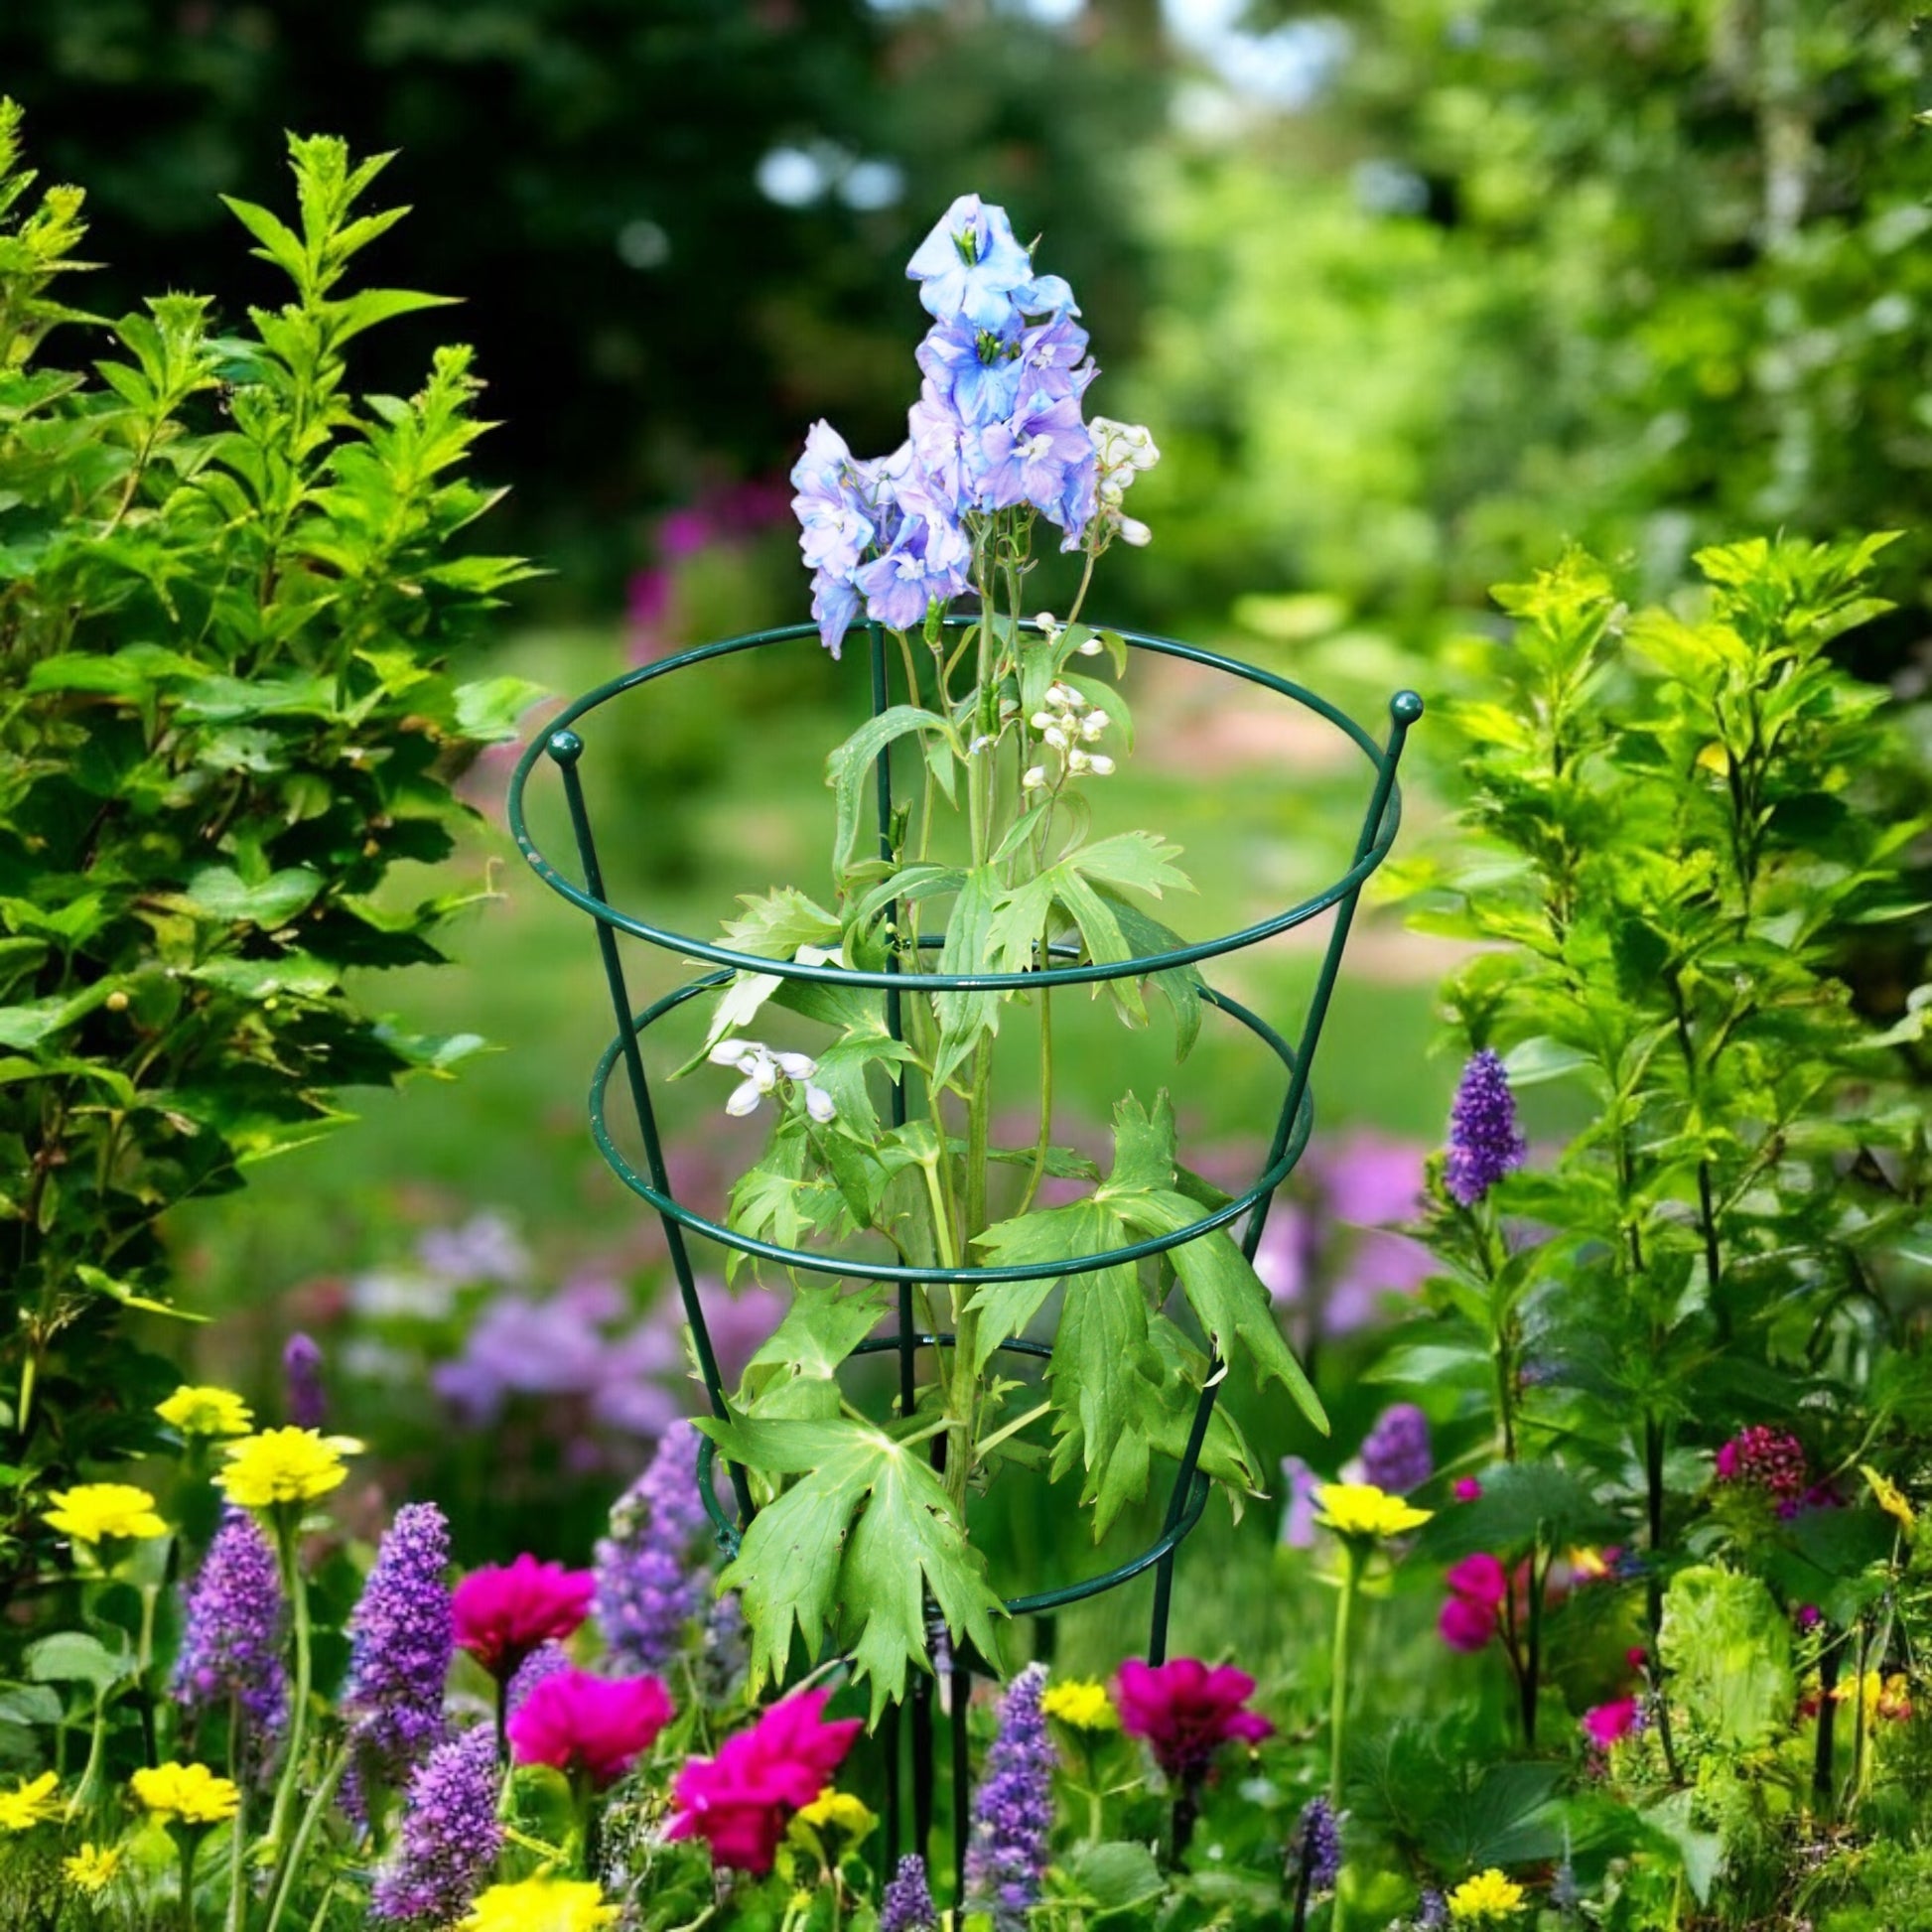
(1049, 1236)
(850, 767)
(219, 893)
(805, 1564)
(73, 1657)
(1115, 1876)
(964, 1018)
(490, 711)
(1727, 1648)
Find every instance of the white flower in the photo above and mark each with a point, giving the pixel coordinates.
(1055, 737)
(797, 1066)
(819, 1103)
(1034, 778)
(1093, 723)
(763, 1071)
(1089, 648)
(1101, 766)
(728, 1053)
(1040, 719)
(1077, 759)
(1065, 696)
(1134, 531)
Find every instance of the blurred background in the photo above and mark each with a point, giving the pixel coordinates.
(1410, 291)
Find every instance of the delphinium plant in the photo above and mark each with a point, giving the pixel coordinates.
(232, 591)
(1007, 718)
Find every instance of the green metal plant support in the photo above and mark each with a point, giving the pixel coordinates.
(565, 747)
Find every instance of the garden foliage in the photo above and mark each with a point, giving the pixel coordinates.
(230, 590)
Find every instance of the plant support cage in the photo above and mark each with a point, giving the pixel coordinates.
(564, 746)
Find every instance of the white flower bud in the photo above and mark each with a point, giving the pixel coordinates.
(728, 1053)
(765, 1073)
(1040, 719)
(797, 1067)
(743, 1099)
(1134, 531)
(819, 1103)
(1089, 648)
(1034, 778)
(1077, 759)
(1101, 764)
(979, 744)
(1048, 620)
(1055, 737)
(1064, 694)
(1093, 723)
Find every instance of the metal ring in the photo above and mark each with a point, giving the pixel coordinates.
(563, 744)
(898, 1271)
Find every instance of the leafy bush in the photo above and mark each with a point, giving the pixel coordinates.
(229, 592)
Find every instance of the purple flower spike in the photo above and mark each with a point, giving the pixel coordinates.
(403, 1639)
(450, 1834)
(1006, 1857)
(1395, 1452)
(1317, 1846)
(302, 1391)
(546, 1660)
(907, 1906)
(647, 1586)
(1483, 1142)
(231, 1646)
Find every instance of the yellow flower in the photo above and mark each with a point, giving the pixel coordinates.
(1082, 1704)
(34, 1801)
(1486, 1896)
(1359, 1509)
(841, 1812)
(102, 1509)
(91, 1868)
(1885, 1697)
(190, 1792)
(541, 1904)
(207, 1412)
(284, 1465)
(1889, 1497)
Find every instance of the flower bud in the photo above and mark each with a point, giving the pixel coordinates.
(1089, 648)
(1034, 778)
(1101, 766)
(1055, 737)
(1092, 725)
(1134, 531)
(1077, 759)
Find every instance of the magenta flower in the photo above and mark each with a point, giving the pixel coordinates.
(595, 1725)
(1186, 1712)
(1772, 1461)
(1605, 1724)
(1477, 1585)
(504, 1612)
(1467, 1489)
(740, 1800)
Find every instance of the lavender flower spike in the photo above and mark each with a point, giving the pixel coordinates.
(546, 1660)
(1006, 1857)
(908, 1904)
(1483, 1142)
(231, 1645)
(302, 1389)
(403, 1641)
(647, 1586)
(450, 1834)
(1395, 1452)
(1317, 1845)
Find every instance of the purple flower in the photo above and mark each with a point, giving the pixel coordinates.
(1298, 1512)
(1013, 1814)
(648, 1586)
(484, 1249)
(908, 1904)
(1395, 1452)
(928, 563)
(402, 1640)
(834, 527)
(1432, 1911)
(1770, 1461)
(302, 1392)
(231, 1643)
(1037, 455)
(973, 265)
(546, 1660)
(1483, 1142)
(971, 372)
(450, 1834)
(1317, 1846)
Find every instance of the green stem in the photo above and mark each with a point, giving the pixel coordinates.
(1351, 1575)
(1045, 1136)
(238, 1834)
(286, 1524)
(190, 1839)
(291, 1865)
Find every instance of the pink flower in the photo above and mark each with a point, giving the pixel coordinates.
(1464, 1625)
(1185, 1711)
(1467, 1489)
(1477, 1588)
(740, 1800)
(595, 1725)
(1605, 1724)
(505, 1613)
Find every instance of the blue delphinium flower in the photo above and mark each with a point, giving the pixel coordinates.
(1483, 1142)
(450, 1834)
(972, 264)
(231, 1640)
(908, 1904)
(402, 1639)
(1031, 456)
(648, 1586)
(1395, 1452)
(1012, 1813)
(928, 562)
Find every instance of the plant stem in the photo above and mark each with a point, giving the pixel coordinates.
(286, 1526)
(1351, 1575)
(189, 1839)
(291, 1865)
